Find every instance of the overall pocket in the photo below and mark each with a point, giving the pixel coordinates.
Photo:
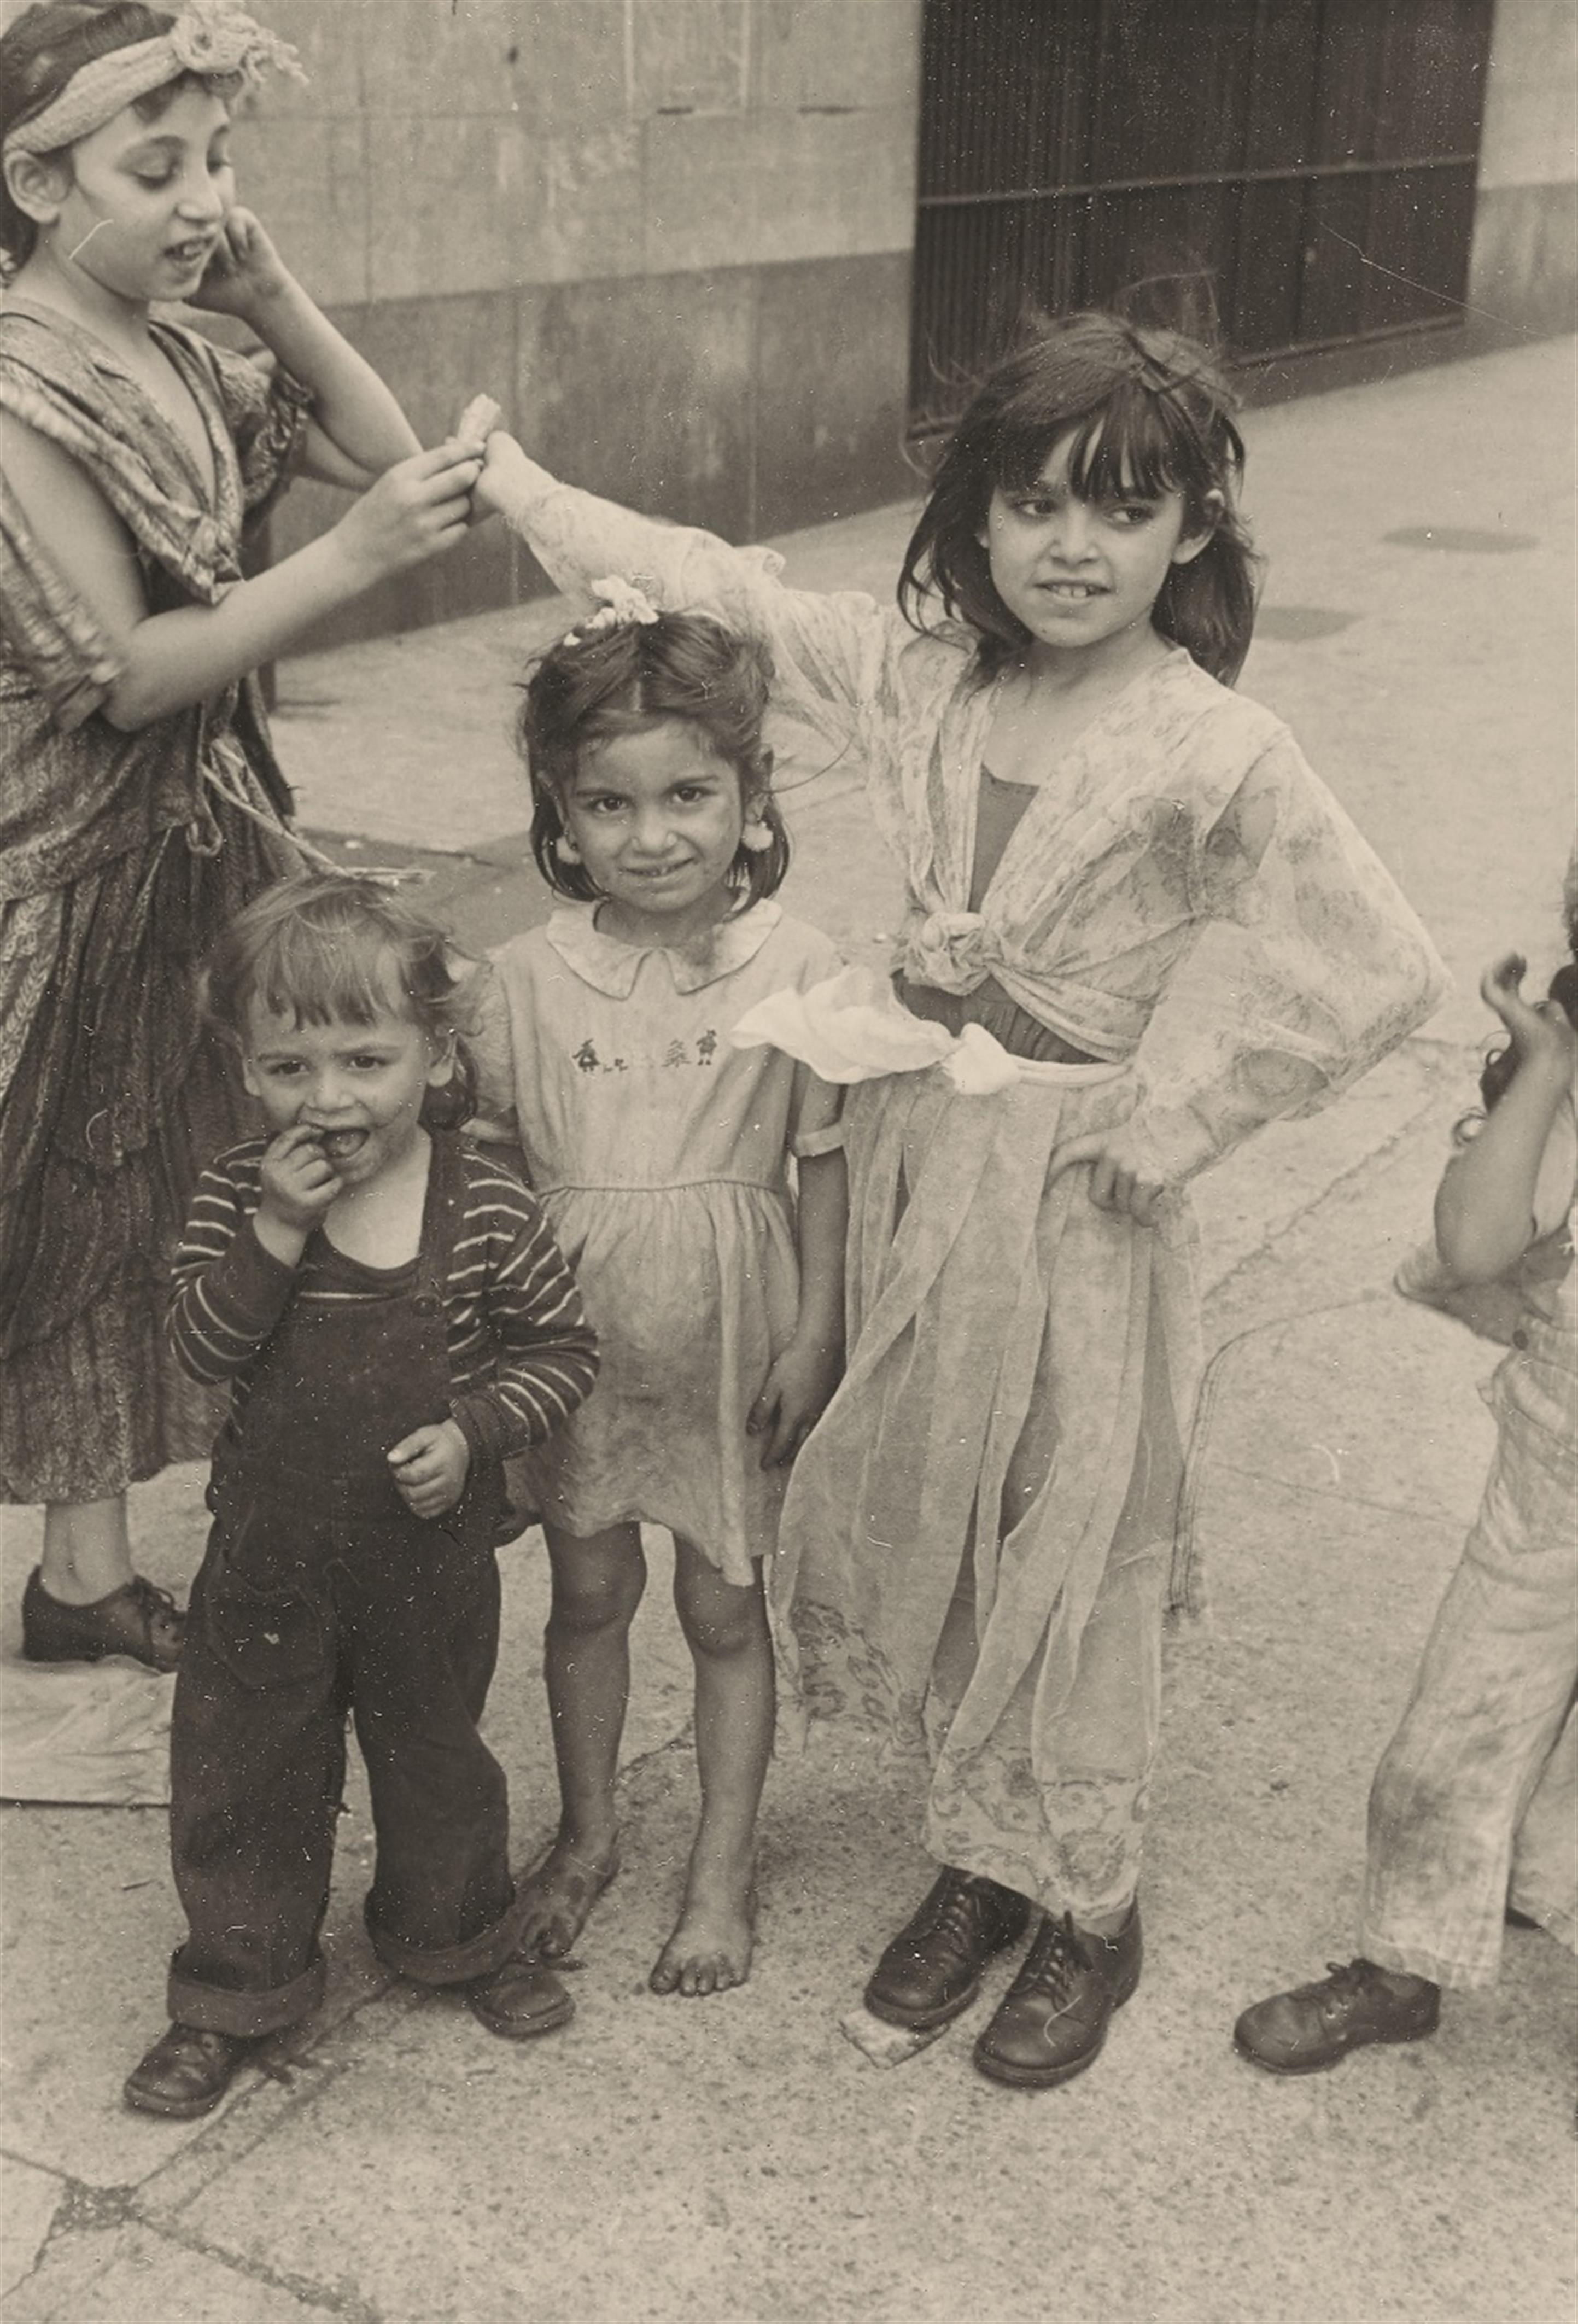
(266, 1628)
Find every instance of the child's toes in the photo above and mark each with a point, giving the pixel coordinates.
(666, 1974)
(696, 1962)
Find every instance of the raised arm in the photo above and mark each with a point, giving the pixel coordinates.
(357, 430)
(229, 1292)
(1486, 1210)
(829, 648)
(167, 660)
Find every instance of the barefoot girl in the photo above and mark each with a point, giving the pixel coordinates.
(393, 1317)
(141, 803)
(979, 1533)
(1474, 1813)
(662, 1154)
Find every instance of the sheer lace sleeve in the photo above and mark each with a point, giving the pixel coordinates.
(829, 648)
(1331, 969)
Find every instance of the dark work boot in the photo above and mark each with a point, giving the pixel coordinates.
(932, 1968)
(1052, 2021)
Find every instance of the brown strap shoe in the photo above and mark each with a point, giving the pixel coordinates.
(136, 1620)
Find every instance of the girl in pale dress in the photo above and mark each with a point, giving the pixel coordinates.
(978, 1545)
(662, 1154)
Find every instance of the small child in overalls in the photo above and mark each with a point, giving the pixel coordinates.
(393, 1317)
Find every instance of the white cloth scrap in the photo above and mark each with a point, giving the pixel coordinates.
(852, 1029)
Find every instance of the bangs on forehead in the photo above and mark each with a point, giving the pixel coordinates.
(312, 978)
(1132, 440)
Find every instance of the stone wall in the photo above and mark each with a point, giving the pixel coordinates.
(1524, 276)
(671, 236)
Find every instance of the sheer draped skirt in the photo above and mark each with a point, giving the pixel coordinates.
(976, 1546)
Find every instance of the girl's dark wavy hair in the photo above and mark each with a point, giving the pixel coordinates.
(316, 948)
(38, 53)
(1149, 411)
(619, 681)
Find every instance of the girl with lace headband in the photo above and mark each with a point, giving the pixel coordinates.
(141, 802)
(977, 1544)
(697, 1190)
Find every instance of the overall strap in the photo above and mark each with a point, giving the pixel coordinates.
(443, 1213)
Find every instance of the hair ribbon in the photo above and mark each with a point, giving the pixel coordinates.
(215, 39)
(624, 604)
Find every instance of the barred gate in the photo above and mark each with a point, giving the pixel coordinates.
(1298, 172)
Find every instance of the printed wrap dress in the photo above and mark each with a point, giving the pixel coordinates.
(660, 1154)
(976, 1542)
(122, 857)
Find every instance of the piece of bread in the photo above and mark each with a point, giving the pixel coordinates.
(477, 421)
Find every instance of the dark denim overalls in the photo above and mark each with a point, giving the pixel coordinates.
(321, 1593)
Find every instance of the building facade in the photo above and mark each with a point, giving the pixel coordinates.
(722, 259)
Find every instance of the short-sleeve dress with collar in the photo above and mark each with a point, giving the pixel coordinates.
(660, 1156)
(122, 857)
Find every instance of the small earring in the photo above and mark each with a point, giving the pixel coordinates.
(565, 848)
(757, 838)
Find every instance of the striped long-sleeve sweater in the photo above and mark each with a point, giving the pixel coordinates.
(521, 1354)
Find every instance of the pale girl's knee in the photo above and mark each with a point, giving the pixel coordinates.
(723, 1620)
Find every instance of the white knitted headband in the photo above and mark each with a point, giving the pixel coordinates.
(216, 39)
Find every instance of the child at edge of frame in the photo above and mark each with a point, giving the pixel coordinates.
(393, 1317)
(1474, 1810)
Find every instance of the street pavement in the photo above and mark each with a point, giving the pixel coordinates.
(738, 2161)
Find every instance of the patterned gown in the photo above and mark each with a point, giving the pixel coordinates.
(122, 855)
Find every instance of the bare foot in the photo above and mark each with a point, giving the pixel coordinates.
(711, 1947)
(557, 1895)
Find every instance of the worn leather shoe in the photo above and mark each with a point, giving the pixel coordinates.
(187, 2072)
(932, 1968)
(1315, 2025)
(520, 1999)
(1053, 2020)
(136, 1619)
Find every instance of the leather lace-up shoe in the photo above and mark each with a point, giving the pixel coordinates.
(520, 1999)
(932, 1968)
(1053, 2020)
(1315, 2025)
(136, 1619)
(187, 2072)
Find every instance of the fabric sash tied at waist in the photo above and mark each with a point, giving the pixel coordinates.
(852, 1029)
(955, 952)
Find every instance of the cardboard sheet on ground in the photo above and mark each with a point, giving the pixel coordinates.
(84, 1733)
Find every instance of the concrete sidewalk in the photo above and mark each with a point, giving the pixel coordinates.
(738, 2161)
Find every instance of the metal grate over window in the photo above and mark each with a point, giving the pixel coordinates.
(1299, 172)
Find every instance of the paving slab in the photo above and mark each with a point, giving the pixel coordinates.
(29, 2200)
